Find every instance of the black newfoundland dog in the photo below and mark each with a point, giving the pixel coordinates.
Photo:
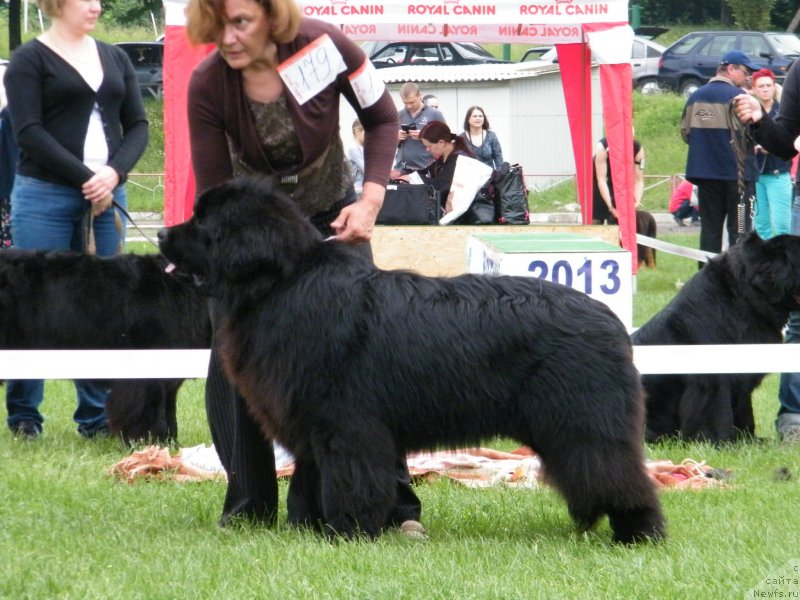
(347, 365)
(743, 296)
(61, 300)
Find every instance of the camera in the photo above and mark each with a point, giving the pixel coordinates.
(408, 128)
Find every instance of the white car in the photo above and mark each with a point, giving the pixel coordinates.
(645, 55)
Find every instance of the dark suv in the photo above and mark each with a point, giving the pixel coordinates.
(692, 60)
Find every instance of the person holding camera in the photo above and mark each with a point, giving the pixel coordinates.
(414, 116)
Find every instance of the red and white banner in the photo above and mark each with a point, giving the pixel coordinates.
(436, 32)
(545, 12)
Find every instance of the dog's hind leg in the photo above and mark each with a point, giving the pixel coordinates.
(358, 485)
(606, 477)
(136, 410)
(302, 500)
(170, 399)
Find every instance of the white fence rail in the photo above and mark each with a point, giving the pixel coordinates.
(136, 364)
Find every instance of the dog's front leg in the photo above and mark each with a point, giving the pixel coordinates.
(357, 480)
(706, 410)
(302, 500)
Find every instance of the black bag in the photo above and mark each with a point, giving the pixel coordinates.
(483, 210)
(407, 204)
(511, 195)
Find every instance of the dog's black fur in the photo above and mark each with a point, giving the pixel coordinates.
(61, 300)
(347, 365)
(743, 296)
(646, 225)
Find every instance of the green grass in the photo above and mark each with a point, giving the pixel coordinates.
(70, 531)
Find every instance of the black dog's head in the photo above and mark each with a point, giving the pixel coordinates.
(770, 268)
(238, 229)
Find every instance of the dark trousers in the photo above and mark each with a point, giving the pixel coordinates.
(249, 459)
(717, 200)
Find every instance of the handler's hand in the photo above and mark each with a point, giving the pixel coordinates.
(356, 222)
(100, 185)
(747, 108)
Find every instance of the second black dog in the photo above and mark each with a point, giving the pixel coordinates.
(60, 300)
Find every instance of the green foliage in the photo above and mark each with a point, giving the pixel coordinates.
(132, 12)
(752, 15)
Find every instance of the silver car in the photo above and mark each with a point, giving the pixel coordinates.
(645, 54)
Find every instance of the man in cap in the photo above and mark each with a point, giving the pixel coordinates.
(711, 163)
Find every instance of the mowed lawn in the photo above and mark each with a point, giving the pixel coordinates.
(68, 530)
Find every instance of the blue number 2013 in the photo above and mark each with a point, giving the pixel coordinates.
(562, 273)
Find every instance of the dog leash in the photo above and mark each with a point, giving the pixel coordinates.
(90, 244)
(741, 142)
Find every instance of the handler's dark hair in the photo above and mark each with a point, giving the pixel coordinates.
(469, 114)
(436, 131)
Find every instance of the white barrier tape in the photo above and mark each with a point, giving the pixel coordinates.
(733, 358)
(103, 364)
(192, 364)
(700, 255)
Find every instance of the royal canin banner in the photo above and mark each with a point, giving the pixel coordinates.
(556, 21)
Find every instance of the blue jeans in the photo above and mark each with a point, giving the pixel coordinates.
(48, 216)
(773, 205)
(789, 390)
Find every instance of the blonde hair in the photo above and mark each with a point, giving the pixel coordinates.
(52, 8)
(205, 19)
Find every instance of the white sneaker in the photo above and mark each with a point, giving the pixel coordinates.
(788, 427)
(413, 529)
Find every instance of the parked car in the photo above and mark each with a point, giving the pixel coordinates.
(542, 53)
(393, 54)
(645, 54)
(148, 62)
(692, 60)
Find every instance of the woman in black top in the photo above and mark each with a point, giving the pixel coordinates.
(79, 121)
(445, 147)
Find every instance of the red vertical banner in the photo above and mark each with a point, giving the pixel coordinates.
(611, 46)
(180, 57)
(575, 61)
(616, 84)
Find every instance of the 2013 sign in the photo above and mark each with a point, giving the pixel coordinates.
(607, 280)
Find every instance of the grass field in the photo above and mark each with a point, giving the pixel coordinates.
(70, 531)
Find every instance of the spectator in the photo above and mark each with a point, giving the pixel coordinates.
(779, 136)
(78, 118)
(411, 154)
(711, 163)
(431, 100)
(445, 147)
(604, 207)
(683, 204)
(355, 157)
(481, 139)
(244, 120)
(773, 210)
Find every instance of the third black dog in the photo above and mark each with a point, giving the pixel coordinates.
(61, 300)
(743, 296)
